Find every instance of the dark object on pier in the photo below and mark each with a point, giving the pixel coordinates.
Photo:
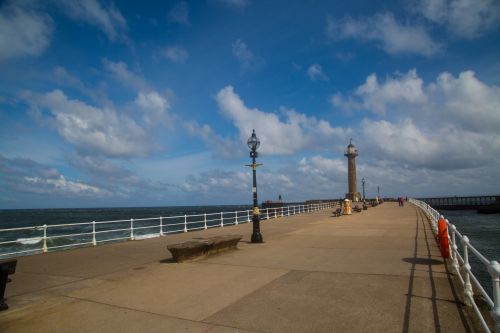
(357, 209)
(7, 267)
(365, 206)
(195, 249)
(484, 204)
(337, 212)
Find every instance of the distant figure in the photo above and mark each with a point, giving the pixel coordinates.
(401, 202)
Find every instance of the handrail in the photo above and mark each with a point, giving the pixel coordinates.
(461, 267)
(46, 235)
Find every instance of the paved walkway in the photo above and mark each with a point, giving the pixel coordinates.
(377, 271)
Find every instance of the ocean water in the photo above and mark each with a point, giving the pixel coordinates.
(483, 231)
(61, 237)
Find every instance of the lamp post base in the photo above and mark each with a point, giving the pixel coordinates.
(257, 238)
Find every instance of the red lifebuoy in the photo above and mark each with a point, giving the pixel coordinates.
(444, 242)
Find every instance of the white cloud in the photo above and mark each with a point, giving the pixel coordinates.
(223, 146)
(179, 13)
(119, 71)
(404, 89)
(102, 131)
(110, 20)
(383, 29)
(464, 18)
(246, 58)
(176, 54)
(60, 186)
(23, 31)
(449, 124)
(295, 133)
(315, 72)
(154, 105)
(26, 175)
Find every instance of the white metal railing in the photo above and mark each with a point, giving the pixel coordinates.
(49, 237)
(462, 268)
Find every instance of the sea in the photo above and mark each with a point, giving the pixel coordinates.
(146, 224)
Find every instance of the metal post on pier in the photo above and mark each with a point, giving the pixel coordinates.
(468, 293)
(94, 242)
(205, 221)
(221, 219)
(494, 270)
(131, 229)
(185, 224)
(236, 217)
(161, 225)
(44, 244)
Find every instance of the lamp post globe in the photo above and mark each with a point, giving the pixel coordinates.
(253, 143)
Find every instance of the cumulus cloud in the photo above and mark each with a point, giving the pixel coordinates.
(154, 106)
(179, 13)
(108, 19)
(176, 54)
(23, 31)
(102, 131)
(247, 59)
(449, 124)
(383, 29)
(26, 175)
(315, 72)
(295, 133)
(464, 18)
(404, 89)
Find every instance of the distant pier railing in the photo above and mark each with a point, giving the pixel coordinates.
(462, 268)
(461, 203)
(53, 237)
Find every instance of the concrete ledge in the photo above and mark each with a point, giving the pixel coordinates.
(195, 249)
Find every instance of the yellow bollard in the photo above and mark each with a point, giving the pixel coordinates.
(347, 207)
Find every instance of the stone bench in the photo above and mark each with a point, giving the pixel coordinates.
(7, 267)
(195, 249)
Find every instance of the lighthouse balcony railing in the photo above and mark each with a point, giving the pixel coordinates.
(461, 267)
(52, 237)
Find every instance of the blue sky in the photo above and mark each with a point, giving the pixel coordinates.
(150, 103)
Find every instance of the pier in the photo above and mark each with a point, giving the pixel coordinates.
(463, 203)
(375, 271)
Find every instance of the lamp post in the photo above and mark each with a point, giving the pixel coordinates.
(254, 143)
(363, 182)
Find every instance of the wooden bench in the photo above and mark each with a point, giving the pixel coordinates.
(200, 248)
(7, 267)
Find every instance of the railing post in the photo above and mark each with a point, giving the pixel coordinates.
(454, 250)
(44, 242)
(205, 221)
(131, 229)
(185, 223)
(161, 225)
(94, 242)
(267, 213)
(221, 219)
(281, 211)
(248, 216)
(494, 270)
(468, 293)
(236, 217)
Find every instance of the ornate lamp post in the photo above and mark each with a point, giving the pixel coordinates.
(254, 143)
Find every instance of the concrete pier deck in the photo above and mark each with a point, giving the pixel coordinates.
(375, 271)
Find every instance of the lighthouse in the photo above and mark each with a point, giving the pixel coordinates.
(351, 153)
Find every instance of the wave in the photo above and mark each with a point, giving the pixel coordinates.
(146, 236)
(29, 241)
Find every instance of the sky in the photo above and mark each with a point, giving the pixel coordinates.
(131, 103)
